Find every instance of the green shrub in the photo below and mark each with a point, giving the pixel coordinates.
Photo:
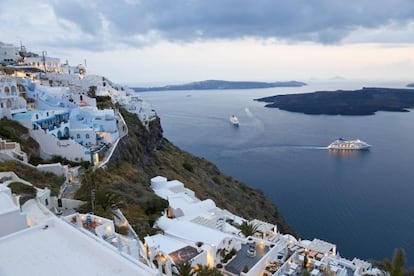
(216, 180)
(123, 230)
(188, 167)
(32, 175)
(21, 188)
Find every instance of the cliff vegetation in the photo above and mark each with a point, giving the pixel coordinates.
(125, 182)
(145, 153)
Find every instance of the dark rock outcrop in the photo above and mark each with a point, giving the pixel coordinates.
(365, 101)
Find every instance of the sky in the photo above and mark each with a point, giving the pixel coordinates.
(173, 41)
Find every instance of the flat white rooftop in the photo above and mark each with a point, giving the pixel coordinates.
(60, 249)
(321, 246)
(195, 232)
(165, 243)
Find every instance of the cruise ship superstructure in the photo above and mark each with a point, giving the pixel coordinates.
(341, 144)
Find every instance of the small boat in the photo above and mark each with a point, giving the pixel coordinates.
(234, 121)
(341, 144)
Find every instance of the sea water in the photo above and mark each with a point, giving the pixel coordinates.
(361, 201)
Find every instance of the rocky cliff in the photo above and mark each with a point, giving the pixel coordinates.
(150, 154)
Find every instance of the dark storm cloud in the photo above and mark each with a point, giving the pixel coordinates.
(322, 21)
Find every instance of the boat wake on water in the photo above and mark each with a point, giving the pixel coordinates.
(270, 149)
(248, 112)
(310, 147)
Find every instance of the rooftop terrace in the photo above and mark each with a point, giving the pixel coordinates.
(243, 259)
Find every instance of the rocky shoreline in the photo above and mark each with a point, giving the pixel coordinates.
(365, 101)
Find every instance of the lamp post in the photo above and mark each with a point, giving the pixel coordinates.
(93, 200)
(44, 53)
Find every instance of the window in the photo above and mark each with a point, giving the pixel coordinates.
(13, 90)
(87, 136)
(78, 136)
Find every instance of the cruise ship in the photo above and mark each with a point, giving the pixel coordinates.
(341, 144)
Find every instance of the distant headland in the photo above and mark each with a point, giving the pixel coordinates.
(221, 84)
(365, 101)
(410, 85)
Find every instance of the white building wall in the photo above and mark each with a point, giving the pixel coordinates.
(200, 259)
(13, 221)
(80, 99)
(69, 149)
(48, 63)
(109, 137)
(4, 156)
(12, 150)
(67, 203)
(85, 136)
(10, 217)
(9, 54)
(43, 196)
(55, 168)
(10, 100)
(13, 155)
(105, 122)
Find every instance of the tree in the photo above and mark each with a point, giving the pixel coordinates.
(184, 269)
(305, 273)
(248, 229)
(206, 271)
(396, 266)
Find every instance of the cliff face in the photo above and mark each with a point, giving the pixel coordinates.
(125, 183)
(151, 155)
(137, 147)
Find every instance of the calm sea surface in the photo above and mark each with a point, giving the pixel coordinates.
(361, 201)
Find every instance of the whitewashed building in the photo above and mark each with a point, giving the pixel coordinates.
(11, 218)
(267, 252)
(31, 236)
(10, 100)
(9, 54)
(47, 64)
(11, 151)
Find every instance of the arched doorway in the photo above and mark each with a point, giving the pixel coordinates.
(66, 132)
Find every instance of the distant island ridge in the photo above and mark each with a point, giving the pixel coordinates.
(410, 84)
(221, 84)
(365, 101)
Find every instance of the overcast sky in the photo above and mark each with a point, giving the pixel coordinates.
(144, 41)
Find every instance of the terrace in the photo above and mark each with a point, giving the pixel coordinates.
(183, 255)
(104, 229)
(244, 258)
